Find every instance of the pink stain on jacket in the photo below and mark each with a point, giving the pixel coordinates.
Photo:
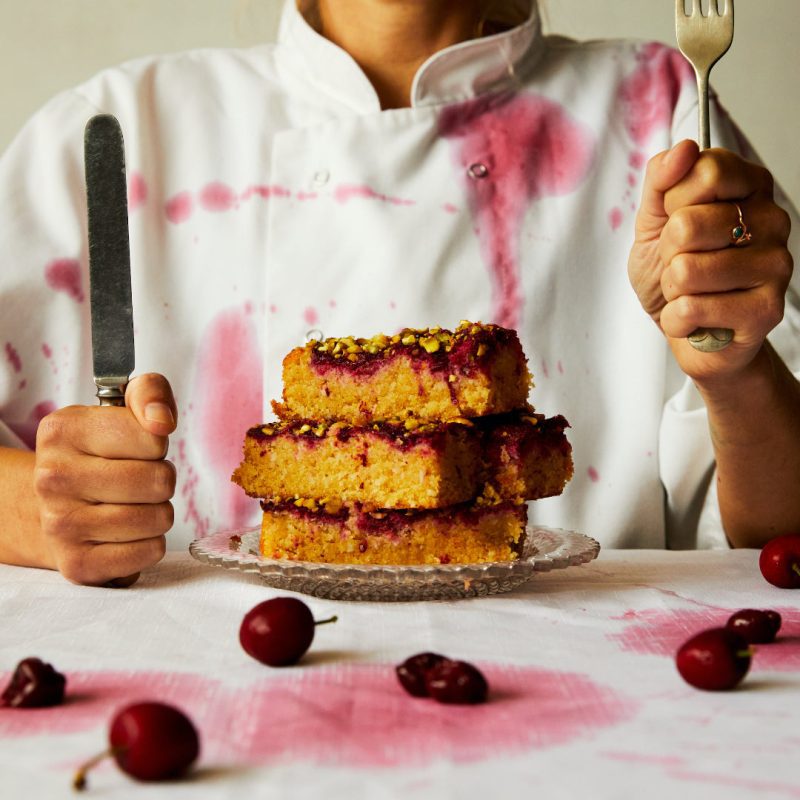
(649, 95)
(12, 356)
(179, 207)
(346, 192)
(659, 632)
(217, 197)
(346, 714)
(228, 401)
(27, 430)
(64, 275)
(518, 150)
(137, 191)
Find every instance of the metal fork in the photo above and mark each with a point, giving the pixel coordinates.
(703, 40)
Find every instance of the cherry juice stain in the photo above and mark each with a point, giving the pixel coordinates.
(65, 275)
(349, 714)
(12, 356)
(218, 197)
(228, 401)
(346, 192)
(137, 191)
(27, 430)
(649, 95)
(179, 207)
(511, 151)
(660, 632)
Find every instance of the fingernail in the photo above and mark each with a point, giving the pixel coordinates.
(159, 412)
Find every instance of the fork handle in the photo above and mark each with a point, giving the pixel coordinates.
(703, 125)
(706, 340)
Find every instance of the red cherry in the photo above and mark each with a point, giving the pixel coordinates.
(34, 684)
(150, 742)
(780, 561)
(411, 673)
(754, 625)
(714, 659)
(456, 682)
(278, 632)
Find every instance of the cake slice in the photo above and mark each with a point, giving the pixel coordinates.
(510, 457)
(465, 534)
(377, 466)
(431, 374)
(526, 456)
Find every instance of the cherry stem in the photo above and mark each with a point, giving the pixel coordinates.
(79, 781)
(326, 621)
(796, 567)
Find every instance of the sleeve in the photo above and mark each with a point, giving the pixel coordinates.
(43, 281)
(686, 454)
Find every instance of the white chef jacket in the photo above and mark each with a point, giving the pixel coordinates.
(269, 196)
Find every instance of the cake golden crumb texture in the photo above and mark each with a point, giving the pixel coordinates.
(416, 448)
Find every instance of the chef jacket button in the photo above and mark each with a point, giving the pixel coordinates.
(321, 177)
(478, 170)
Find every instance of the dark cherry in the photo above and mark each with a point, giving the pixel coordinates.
(755, 625)
(452, 681)
(780, 561)
(150, 742)
(411, 673)
(278, 632)
(34, 684)
(715, 659)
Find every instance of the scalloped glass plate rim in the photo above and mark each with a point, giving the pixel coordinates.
(546, 548)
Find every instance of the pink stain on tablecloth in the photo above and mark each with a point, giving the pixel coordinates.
(179, 207)
(512, 151)
(649, 95)
(228, 401)
(310, 316)
(350, 714)
(137, 191)
(593, 474)
(64, 275)
(660, 632)
(615, 218)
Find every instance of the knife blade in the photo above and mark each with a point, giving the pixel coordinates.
(109, 258)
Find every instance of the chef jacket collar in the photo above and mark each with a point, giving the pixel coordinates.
(457, 73)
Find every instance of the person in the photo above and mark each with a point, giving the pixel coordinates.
(386, 165)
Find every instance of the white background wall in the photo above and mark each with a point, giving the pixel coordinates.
(49, 45)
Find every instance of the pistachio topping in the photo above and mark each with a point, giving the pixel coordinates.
(431, 340)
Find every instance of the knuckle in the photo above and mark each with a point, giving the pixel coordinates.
(53, 428)
(783, 223)
(72, 564)
(49, 479)
(681, 269)
(164, 478)
(683, 226)
(710, 169)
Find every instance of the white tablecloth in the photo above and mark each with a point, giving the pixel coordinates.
(585, 698)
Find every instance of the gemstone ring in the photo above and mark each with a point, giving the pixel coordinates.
(740, 236)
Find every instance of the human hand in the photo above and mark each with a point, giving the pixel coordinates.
(684, 267)
(103, 484)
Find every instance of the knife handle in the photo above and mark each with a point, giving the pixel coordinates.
(111, 394)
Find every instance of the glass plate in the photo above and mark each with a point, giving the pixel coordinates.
(544, 549)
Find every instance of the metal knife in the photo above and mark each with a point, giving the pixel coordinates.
(109, 258)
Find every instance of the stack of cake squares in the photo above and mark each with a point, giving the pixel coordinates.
(416, 448)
